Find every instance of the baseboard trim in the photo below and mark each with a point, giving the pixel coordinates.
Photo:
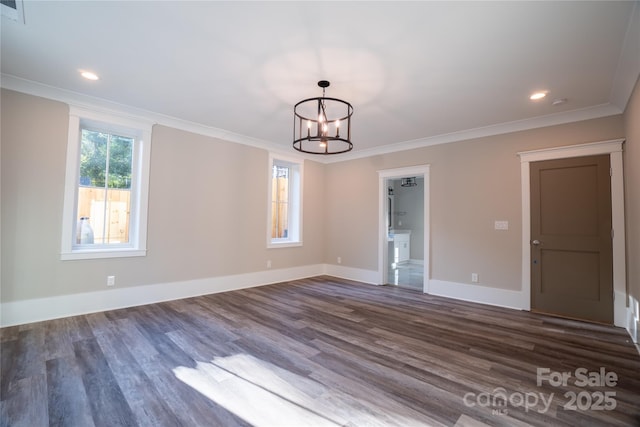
(477, 293)
(632, 324)
(36, 310)
(360, 275)
(620, 309)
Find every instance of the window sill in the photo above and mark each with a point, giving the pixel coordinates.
(101, 253)
(288, 244)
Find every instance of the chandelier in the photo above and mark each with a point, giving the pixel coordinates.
(408, 182)
(322, 125)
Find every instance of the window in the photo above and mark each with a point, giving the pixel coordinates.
(106, 188)
(13, 9)
(285, 203)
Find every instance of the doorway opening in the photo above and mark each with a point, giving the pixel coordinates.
(404, 227)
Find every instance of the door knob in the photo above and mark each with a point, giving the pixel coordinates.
(536, 242)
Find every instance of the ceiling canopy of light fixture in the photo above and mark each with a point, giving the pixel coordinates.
(322, 125)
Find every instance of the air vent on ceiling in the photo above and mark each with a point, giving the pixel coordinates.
(12, 9)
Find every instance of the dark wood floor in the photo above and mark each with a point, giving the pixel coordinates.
(314, 352)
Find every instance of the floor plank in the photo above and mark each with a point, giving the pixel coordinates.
(67, 398)
(108, 405)
(317, 351)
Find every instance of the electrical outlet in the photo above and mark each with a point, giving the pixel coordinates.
(339, 260)
(474, 277)
(111, 280)
(268, 263)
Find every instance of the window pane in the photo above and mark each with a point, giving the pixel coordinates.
(104, 193)
(120, 154)
(93, 158)
(119, 192)
(279, 207)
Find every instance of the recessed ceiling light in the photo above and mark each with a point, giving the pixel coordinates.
(537, 95)
(89, 75)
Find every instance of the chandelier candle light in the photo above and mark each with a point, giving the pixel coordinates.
(319, 122)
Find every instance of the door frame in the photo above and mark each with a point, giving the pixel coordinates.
(614, 149)
(383, 175)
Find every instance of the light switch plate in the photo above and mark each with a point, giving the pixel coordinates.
(501, 225)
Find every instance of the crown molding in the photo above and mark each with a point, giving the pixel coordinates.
(79, 100)
(603, 110)
(83, 101)
(628, 69)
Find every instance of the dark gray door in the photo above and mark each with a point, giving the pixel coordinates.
(571, 242)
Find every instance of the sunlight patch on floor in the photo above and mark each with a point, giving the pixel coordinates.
(265, 395)
(246, 387)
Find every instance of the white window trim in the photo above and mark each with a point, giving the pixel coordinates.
(295, 206)
(137, 245)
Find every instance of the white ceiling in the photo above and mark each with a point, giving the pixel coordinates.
(416, 73)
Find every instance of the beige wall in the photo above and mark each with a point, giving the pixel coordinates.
(632, 191)
(473, 183)
(207, 209)
(33, 137)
